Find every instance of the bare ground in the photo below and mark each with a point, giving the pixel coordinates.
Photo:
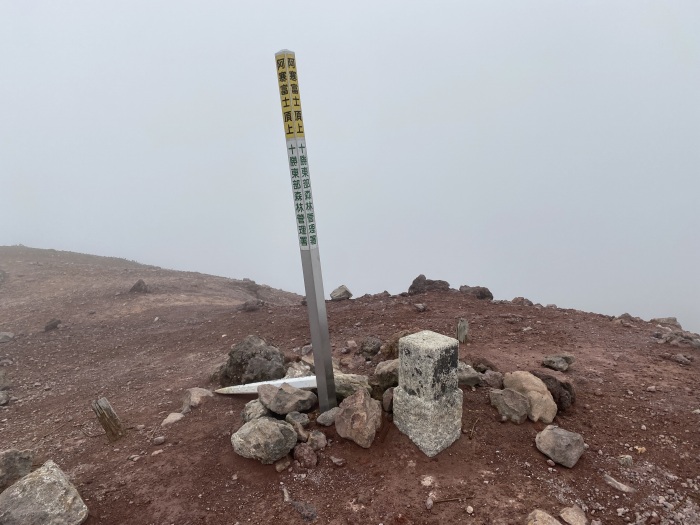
(110, 344)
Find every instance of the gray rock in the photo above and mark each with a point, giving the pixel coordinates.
(286, 398)
(681, 359)
(467, 376)
(252, 305)
(421, 285)
(52, 325)
(159, 440)
(560, 445)
(462, 330)
(540, 517)
(43, 497)
(617, 485)
(542, 405)
(480, 292)
(283, 464)
(250, 361)
(194, 397)
(388, 400)
(327, 418)
(625, 460)
(139, 287)
(522, 301)
(386, 375)
(173, 417)
(563, 392)
(317, 440)
(560, 363)
(305, 455)
(511, 405)
(341, 293)
(347, 384)
(6, 337)
(359, 418)
(4, 398)
(264, 439)
(370, 346)
(667, 321)
(253, 410)
(574, 515)
(492, 379)
(298, 369)
(420, 307)
(297, 417)
(14, 464)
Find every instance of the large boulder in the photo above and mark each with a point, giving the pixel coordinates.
(43, 497)
(285, 399)
(14, 464)
(480, 292)
(341, 293)
(347, 384)
(542, 405)
(511, 405)
(560, 445)
(421, 285)
(250, 361)
(264, 439)
(563, 392)
(359, 418)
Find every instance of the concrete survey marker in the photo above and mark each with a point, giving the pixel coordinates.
(428, 401)
(305, 223)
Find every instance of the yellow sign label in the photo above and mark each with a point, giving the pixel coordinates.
(290, 99)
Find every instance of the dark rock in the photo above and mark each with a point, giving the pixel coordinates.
(139, 287)
(286, 398)
(370, 346)
(480, 292)
(4, 398)
(52, 325)
(522, 301)
(391, 348)
(563, 392)
(421, 285)
(306, 510)
(14, 464)
(305, 455)
(297, 417)
(250, 361)
(252, 305)
(559, 363)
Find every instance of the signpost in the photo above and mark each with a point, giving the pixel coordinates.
(305, 218)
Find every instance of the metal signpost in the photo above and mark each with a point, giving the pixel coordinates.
(297, 157)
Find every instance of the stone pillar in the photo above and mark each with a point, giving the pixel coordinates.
(428, 402)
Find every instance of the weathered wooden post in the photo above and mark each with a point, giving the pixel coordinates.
(305, 219)
(108, 419)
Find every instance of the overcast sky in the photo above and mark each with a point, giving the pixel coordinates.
(548, 149)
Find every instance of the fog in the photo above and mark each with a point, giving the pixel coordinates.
(543, 149)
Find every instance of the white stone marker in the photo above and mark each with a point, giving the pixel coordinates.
(428, 402)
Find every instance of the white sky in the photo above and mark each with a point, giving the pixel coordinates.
(548, 149)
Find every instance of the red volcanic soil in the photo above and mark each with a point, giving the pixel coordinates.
(110, 344)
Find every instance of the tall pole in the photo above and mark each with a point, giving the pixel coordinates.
(305, 218)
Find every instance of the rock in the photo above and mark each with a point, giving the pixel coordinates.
(574, 515)
(6, 337)
(298, 369)
(420, 307)
(194, 397)
(492, 379)
(159, 440)
(467, 376)
(302, 434)
(563, 392)
(341, 293)
(421, 285)
(317, 440)
(338, 462)
(347, 384)
(264, 439)
(253, 410)
(540, 517)
(391, 348)
(542, 405)
(667, 321)
(462, 330)
(617, 485)
(681, 359)
(522, 301)
(560, 445)
(481, 365)
(4, 398)
(625, 460)
(43, 497)
(480, 292)
(285, 399)
(174, 417)
(139, 287)
(511, 405)
(14, 464)
(370, 346)
(52, 325)
(283, 464)
(557, 362)
(428, 402)
(386, 375)
(305, 455)
(252, 305)
(327, 418)
(359, 418)
(250, 361)
(307, 349)
(388, 400)
(297, 417)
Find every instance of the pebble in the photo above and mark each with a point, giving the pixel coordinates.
(643, 427)
(429, 503)
(550, 463)
(470, 509)
(159, 440)
(156, 452)
(651, 388)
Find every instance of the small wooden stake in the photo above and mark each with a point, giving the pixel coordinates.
(109, 419)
